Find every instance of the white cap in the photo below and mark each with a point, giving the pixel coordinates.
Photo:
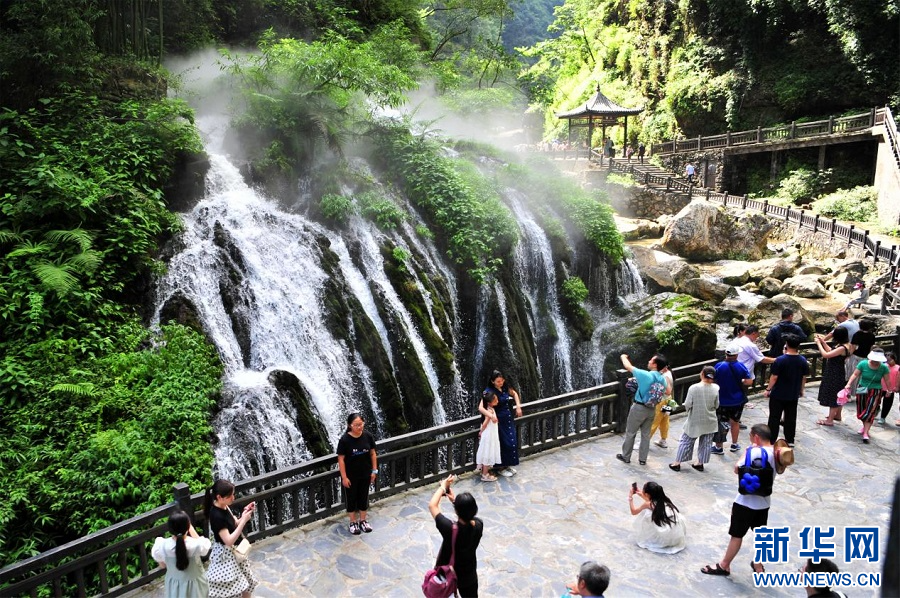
(733, 349)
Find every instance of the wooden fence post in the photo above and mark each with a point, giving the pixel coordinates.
(728, 139)
(793, 129)
(623, 404)
(758, 134)
(872, 117)
(831, 124)
(744, 202)
(765, 206)
(877, 247)
(816, 224)
(708, 191)
(669, 184)
(699, 142)
(181, 495)
(833, 223)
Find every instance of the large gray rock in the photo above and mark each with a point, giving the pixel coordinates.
(682, 271)
(706, 289)
(768, 313)
(679, 326)
(703, 231)
(811, 269)
(769, 287)
(779, 268)
(735, 273)
(804, 286)
(657, 279)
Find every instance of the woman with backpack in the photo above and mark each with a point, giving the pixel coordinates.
(702, 423)
(467, 530)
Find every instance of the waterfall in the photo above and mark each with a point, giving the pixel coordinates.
(536, 272)
(293, 307)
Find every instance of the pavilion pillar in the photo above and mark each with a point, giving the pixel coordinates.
(625, 139)
(590, 136)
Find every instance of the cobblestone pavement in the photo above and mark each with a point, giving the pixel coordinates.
(569, 505)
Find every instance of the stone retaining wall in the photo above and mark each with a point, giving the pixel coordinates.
(641, 202)
(813, 245)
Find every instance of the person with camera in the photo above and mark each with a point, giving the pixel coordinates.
(751, 506)
(640, 416)
(469, 529)
(659, 527)
(180, 556)
(228, 578)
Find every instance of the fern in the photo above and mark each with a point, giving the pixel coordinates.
(56, 278)
(80, 389)
(79, 236)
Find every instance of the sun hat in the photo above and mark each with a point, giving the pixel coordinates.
(877, 355)
(733, 349)
(784, 455)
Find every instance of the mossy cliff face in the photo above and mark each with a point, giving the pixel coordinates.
(680, 327)
(349, 322)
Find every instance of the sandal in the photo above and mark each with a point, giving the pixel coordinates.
(825, 422)
(717, 570)
(488, 478)
(762, 568)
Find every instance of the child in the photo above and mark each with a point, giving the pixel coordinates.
(489, 445)
(889, 385)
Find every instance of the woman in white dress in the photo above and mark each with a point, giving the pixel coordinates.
(180, 556)
(659, 527)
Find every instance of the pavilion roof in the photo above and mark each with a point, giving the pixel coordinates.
(599, 105)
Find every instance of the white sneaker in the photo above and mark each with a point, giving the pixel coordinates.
(506, 473)
(661, 443)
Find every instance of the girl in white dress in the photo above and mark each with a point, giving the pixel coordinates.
(488, 453)
(180, 556)
(659, 527)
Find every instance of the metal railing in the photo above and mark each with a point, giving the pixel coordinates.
(116, 560)
(779, 134)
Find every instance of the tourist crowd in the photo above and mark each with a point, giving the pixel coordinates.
(854, 369)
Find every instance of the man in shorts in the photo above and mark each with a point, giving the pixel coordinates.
(733, 379)
(748, 511)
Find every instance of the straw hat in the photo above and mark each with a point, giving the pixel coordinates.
(784, 455)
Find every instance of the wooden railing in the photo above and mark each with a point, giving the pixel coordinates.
(779, 134)
(116, 560)
(886, 119)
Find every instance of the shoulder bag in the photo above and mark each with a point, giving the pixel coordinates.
(440, 582)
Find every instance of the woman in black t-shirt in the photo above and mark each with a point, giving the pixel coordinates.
(358, 463)
(227, 577)
(468, 536)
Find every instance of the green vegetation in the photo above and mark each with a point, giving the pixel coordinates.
(336, 207)
(472, 222)
(574, 291)
(705, 66)
(381, 209)
(857, 205)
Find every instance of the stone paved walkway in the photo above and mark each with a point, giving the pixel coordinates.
(569, 505)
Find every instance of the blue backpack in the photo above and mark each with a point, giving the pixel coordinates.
(756, 479)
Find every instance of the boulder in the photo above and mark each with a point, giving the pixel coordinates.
(845, 276)
(768, 313)
(769, 287)
(779, 268)
(657, 279)
(644, 257)
(804, 286)
(682, 271)
(703, 231)
(735, 273)
(679, 326)
(706, 289)
(811, 270)
(642, 229)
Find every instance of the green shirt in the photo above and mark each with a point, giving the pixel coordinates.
(871, 379)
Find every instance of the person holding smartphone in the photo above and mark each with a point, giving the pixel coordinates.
(660, 527)
(227, 577)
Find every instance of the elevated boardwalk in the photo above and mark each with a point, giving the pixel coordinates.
(569, 505)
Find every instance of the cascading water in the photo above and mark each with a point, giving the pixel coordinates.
(537, 275)
(272, 317)
(294, 306)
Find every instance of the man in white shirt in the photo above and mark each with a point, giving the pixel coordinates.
(750, 354)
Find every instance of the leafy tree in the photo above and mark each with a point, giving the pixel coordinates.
(302, 95)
